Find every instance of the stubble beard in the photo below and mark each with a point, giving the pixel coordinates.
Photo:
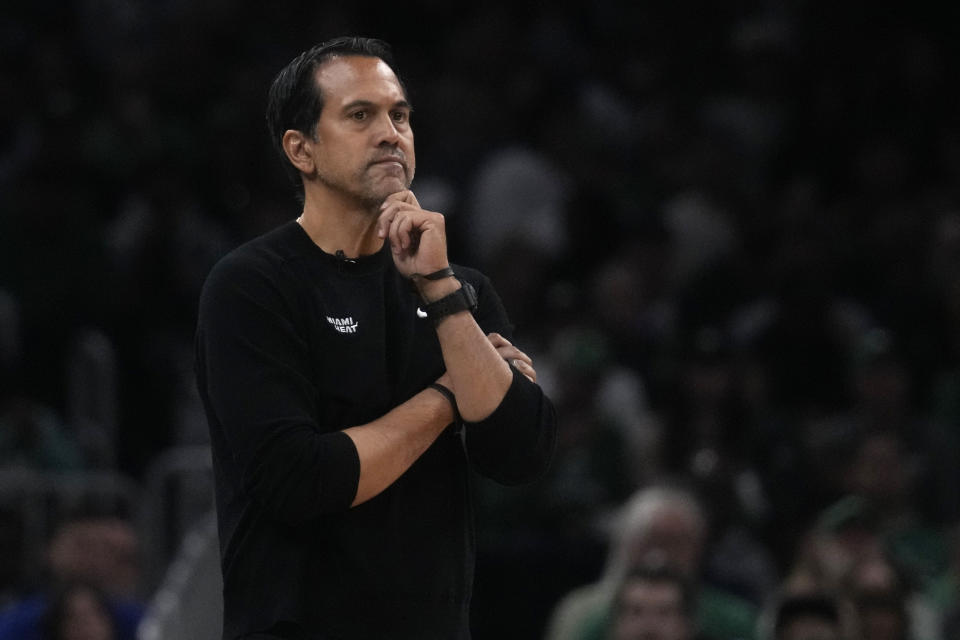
(367, 193)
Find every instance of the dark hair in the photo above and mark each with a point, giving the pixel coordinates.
(295, 100)
(813, 605)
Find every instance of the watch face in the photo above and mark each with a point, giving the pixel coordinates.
(463, 299)
(470, 294)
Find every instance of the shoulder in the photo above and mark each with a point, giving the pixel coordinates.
(263, 257)
(261, 274)
(580, 613)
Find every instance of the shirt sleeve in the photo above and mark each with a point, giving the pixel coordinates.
(255, 377)
(515, 443)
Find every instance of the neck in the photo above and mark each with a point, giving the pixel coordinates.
(336, 225)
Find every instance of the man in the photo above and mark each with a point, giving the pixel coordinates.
(661, 523)
(93, 572)
(654, 603)
(352, 377)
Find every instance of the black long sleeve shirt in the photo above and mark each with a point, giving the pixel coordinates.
(293, 346)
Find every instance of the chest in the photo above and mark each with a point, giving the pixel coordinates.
(370, 345)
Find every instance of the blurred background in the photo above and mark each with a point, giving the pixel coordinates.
(727, 233)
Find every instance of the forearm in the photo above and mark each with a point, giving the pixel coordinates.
(389, 445)
(516, 442)
(479, 375)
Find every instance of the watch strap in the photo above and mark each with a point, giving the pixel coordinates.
(463, 299)
(440, 274)
(452, 399)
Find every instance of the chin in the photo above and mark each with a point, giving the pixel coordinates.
(389, 187)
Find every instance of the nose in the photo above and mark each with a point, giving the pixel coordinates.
(386, 131)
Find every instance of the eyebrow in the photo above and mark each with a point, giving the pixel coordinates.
(403, 104)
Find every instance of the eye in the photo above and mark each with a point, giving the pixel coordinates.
(401, 116)
(359, 116)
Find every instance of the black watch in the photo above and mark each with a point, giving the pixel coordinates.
(463, 299)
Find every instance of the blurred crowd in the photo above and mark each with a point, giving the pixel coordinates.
(728, 234)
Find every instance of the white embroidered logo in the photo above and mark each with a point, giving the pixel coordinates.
(343, 325)
(421, 313)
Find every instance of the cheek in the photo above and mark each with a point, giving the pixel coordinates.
(411, 156)
(407, 144)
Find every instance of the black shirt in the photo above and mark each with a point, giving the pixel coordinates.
(294, 345)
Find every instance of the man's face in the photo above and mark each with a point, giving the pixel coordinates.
(651, 611)
(672, 537)
(363, 147)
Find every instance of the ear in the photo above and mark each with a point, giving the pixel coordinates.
(299, 150)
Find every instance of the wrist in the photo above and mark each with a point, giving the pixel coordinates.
(433, 290)
(435, 284)
(451, 399)
(463, 297)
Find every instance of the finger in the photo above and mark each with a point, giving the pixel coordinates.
(394, 231)
(525, 368)
(402, 196)
(511, 353)
(388, 210)
(498, 340)
(409, 198)
(384, 221)
(399, 196)
(403, 231)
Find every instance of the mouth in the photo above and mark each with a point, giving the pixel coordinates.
(391, 161)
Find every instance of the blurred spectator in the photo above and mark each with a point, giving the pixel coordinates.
(101, 549)
(631, 300)
(79, 612)
(881, 475)
(847, 555)
(878, 482)
(662, 524)
(632, 173)
(653, 603)
(517, 195)
(93, 569)
(554, 526)
(903, 460)
(827, 550)
(709, 439)
(515, 223)
(886, 606)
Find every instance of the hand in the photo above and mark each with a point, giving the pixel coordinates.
(418, 238)
(514, 357)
